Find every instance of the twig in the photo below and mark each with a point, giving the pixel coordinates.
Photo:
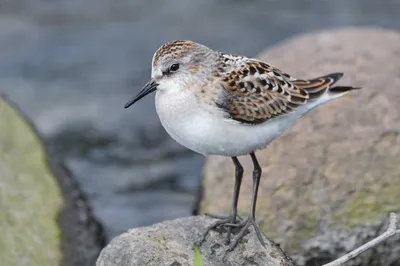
(392, 230)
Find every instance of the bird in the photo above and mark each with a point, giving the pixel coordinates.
(217, 103)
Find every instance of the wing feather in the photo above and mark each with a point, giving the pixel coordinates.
(257, 91)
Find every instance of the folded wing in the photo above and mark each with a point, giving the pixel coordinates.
(257, 91)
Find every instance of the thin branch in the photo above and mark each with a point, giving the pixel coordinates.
(392, 230)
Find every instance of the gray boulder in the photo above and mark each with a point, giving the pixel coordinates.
(171, 243)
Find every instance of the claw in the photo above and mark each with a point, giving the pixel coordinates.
(246, 224)
(225, 221)
(229, 222)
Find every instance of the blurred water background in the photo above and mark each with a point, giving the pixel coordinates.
(71, 65)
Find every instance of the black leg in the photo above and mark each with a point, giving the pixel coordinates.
(256, 182)
(231, 219)
(238, 182)
(252, 218)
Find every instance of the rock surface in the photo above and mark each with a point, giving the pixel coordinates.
(330, 181)
(170, 243)
(44, 219)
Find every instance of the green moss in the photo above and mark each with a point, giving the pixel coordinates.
(29, 196)
(265, 227)
(367, 206)
(306, 225)
(305, 228)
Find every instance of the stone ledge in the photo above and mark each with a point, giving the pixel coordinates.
(170, 243)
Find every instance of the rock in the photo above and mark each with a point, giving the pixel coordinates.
(171, 243)
(44, 218)
(330, 181)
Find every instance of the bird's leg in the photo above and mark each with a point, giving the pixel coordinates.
(228, 219)
(238, 182)
(235, 198)
(251, 220)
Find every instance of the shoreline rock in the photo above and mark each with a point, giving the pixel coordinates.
(65, 231)
(171, 243)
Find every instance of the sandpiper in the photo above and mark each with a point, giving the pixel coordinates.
(217, 103)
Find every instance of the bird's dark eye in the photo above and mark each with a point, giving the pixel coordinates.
(174, 67)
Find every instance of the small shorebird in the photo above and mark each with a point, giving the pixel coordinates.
(217, 103)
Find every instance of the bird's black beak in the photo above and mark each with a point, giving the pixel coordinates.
(148, 88)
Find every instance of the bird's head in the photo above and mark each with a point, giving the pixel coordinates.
(178, 65)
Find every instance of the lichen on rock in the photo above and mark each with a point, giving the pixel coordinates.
(30, 196)
(44, 217)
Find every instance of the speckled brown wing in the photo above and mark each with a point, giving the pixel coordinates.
(257, 92)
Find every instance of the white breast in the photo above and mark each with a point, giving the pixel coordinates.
(205, 132)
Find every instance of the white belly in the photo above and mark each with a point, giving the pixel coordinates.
(209, 133)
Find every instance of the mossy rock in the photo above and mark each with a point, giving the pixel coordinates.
(30, 198)
(44, 219)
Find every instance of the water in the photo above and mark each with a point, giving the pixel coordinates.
(72, 65)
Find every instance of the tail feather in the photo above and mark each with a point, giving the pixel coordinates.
(318, 86)
(327, 80)
(342, 89)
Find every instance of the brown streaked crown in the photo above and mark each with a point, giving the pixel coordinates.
(172, 47)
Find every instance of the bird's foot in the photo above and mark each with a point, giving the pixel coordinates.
(244, 226)
(228, 221)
